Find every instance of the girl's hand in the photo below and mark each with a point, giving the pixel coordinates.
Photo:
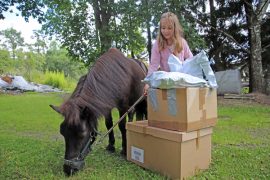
(145, 89)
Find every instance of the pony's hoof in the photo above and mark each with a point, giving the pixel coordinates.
(110, 148)
(123, 152)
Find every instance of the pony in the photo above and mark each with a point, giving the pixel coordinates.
(114, 81)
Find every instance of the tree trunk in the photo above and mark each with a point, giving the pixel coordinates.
(214, 52)
(254, 21)
(149, 40)
(149, 37)
(256, 57)
(103, 13)
(267, 80)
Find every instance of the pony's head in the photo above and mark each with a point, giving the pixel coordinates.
(79, 131)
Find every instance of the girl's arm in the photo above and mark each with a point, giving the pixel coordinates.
(155, 59)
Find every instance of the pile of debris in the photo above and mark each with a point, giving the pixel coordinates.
(18, 83)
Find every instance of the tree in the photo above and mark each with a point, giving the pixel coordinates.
(28, 63)
(56, 60)
(255, 11)
(227, 30)
(27, 8)
(40, 44)
(266, 52)
(125, 27)
(13, 39)
(103, 12)
(73, 26)
(5, 61)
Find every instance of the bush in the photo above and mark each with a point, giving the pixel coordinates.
(56, 79)
(245, 90)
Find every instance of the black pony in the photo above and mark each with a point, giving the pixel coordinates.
(113, 82)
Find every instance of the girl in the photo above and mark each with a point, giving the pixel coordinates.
(169, 41)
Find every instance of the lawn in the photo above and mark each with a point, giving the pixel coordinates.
(31, 146)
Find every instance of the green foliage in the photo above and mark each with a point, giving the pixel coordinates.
(73, 26)
(126, 31)
(55, 79)
(29, 62)
(29, 137)
(27, 8)
(40, 44)
(12, 39)
(5, 62)
(245, 90)
(122, 24)
(56, 59)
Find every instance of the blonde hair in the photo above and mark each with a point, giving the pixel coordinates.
(178, 33)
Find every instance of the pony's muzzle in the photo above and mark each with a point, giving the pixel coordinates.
(70, 167)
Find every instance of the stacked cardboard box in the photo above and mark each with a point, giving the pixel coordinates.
(182, 109)
(176, 139)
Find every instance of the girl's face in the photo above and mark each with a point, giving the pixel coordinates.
(167, 29)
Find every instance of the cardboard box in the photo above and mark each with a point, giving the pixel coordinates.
(172, 153)
(182, 109)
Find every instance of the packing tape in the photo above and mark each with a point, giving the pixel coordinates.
(202, 97)
(171, 100)
(152, 94)
(203, 114)
(202, 100)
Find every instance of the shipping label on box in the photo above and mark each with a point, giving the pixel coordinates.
(182, 109)
(137, 154)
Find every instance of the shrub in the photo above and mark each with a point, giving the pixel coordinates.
(55, 79)
(245, 90)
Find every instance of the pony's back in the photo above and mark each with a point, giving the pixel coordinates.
(114, 81)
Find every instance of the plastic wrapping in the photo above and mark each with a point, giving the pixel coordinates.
(169, 80)
(196, 66)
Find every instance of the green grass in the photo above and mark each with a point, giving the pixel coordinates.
(241, 144)
(31, 146)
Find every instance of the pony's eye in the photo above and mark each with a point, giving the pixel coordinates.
(81, 132)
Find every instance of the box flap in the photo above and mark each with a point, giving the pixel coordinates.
(205, 131)
(137, 126)
(177, 136)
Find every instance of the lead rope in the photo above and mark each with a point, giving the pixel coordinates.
(121, 118)
(87, 148)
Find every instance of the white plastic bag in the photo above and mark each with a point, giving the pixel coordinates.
(175, 64)
(168, 80)
(195, 66)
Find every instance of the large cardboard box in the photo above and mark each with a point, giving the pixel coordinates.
(172, 153)
(182, 109)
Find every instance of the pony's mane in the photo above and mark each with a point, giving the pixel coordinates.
(96, 93)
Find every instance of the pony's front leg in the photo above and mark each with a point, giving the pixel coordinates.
(131, 115)
(141, 110)
(109, 124)
(122, 127)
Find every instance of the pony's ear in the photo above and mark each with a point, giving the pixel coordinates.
(57, 109)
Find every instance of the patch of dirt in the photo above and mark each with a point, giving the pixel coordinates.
(258, 98)
(11, 92)
(262, 98)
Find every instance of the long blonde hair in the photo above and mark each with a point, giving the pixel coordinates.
(178, 32)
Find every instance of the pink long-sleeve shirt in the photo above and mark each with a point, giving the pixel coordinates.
(160, 58)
